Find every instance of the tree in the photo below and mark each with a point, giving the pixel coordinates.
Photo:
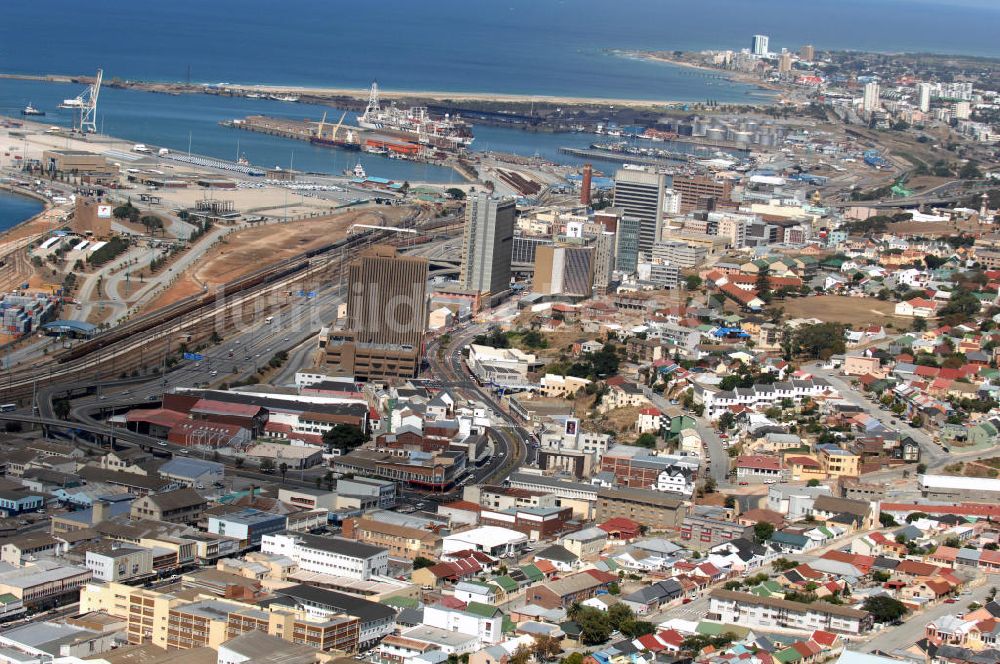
(887, 520)
(283, 469)
(818, 341)
(812, 482)
(521, 656)
(693, 282)
(783, 564)
(238, 462)
(762, 531)
(595, 628)
(455, 193)
(573, 658)
(729, 502)
(420, 562)
(647, 440)
(881, 576)
(921, 468)
(970, 171)
(267, 465)
(546, 648)
(619, 615)
(726, 421)
(344, 437)
(884, 608)
(614, 588)
(61, 408)
(913, 516)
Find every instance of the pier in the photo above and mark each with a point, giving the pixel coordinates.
(620, 157)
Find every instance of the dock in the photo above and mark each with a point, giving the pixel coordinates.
(622, 157)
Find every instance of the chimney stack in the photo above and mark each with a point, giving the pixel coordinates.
(585, 185)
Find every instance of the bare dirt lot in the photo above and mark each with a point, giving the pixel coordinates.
(250, 249)
(839, 308)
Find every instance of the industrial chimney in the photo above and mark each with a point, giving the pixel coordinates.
(585, 185)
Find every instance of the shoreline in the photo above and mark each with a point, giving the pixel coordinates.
(736, 77)
(242, 89)
(11, 190)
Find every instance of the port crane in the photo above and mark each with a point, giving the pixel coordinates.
(85, 105)
(336, 129)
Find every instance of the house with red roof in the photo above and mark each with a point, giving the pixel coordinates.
(650, 420)
(917, 307)
(620, 528)
(759, 468)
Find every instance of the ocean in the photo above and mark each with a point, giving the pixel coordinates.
(15, 209)
(550, 47)
(553, 47)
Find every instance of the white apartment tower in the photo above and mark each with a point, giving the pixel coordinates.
(759, 45)
(870, 102)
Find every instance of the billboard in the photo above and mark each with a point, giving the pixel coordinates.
(103, 211)
(572, 424)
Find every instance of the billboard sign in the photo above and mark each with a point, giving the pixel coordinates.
(103, 211)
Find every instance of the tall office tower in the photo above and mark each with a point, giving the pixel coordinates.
(588, 174)
(487, 245)
(564, 271)
(383, 334)
(924, 97)
(759, 45)
(627, 248)
(785, 63)
(701, 192)
(807, 53)
(640, 194)
(604, 261)
(671, 202)
(870, 101)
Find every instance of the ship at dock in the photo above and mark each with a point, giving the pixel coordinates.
(449, 132)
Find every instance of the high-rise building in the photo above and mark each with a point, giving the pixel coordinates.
(640, 194)
(700, 192)
(383, 333)
(561, 270)
(679, 253)
(759, 45)
(924, 97)
(807, 53)
(604, 261)
(487, 244)
(627, 249)
(870, 102)
(785, 63)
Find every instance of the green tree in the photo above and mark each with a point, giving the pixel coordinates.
(283, 469)
(783, 564)
(647, 440)
(884, 608)
(726, 421)
(595, 627)
(420, 562)
(614, 588)
(887, 520)
(344, 437)
(456, 193)
(61, 408)
(812, 482)
(267, 465)
(573, 658)
(546, 648)
(921, 468)
(970, 171)
(693, 282)
(762, 531)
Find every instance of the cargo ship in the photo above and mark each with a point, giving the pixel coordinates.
(448, 132)
(348, 142)
(31, 110)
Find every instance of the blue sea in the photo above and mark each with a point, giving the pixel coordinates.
(15, 209)
(546, 47)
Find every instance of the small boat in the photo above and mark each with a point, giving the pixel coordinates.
(31, 110)
(359, 172)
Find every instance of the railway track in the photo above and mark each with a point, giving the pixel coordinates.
(130, 346)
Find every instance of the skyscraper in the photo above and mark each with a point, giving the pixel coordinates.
(627, 250)
(924, 97)
(564, 271)
(785, 63)
(640, 194)
(604, 261)
(759, 45)
(807, 53)
(487, 244)
(870, 102)
(383, 334)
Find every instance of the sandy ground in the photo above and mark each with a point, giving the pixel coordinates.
(249, 249)
(839, 308)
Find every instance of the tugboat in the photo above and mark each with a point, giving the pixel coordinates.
(358, 172)
(31, 110)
